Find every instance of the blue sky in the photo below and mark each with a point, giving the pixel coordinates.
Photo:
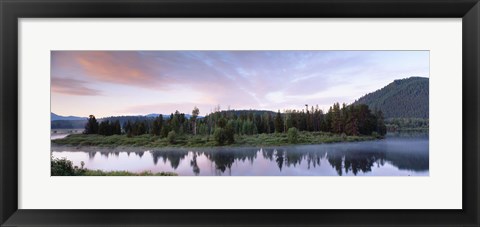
(111, 83)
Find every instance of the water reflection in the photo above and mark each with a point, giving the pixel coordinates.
(392, 156)
(194, 165)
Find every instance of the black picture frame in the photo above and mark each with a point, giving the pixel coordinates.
(12, 10)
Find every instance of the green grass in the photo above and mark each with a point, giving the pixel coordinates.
(147, 140)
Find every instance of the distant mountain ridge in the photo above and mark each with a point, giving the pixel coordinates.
(405, 98)
(55, 117)
(165, 116)
(70, 122)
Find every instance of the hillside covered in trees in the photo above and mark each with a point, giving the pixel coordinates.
(405, 98)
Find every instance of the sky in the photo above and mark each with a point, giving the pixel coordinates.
(114, 83)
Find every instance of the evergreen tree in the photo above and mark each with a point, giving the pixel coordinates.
(157, 125)
(105, 128)
(278, 122)
(128, 129)
(117, 128)
(381, 128)
(92, 125)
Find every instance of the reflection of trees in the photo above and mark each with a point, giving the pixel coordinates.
(355, 161)
(173, 156)
(409, 160)
(294, 158)
(267, 153)
(279, 158)
(345, 159)
(413, 156)
(222, 160)
(91, 155)
(335, 161)
(363, 164)
(194, 165)
(249, 155)
(140, 153)
(313, 159)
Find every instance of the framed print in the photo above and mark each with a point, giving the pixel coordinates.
(239, 113)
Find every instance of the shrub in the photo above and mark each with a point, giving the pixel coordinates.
(230, 133)
(172, 137)
(61, 167)
(292, 135)
(220, 136)
(64, 167)
(375, 134)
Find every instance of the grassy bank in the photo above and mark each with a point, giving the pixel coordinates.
(147, 140)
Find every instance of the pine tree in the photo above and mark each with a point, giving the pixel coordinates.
(278, 123)
(128, 129)
(117, 128)
(92, 125)
(336, 119)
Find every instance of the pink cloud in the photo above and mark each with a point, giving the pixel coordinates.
(72, 87)
(126, 68)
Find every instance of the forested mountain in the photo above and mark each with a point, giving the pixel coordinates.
(405, 98)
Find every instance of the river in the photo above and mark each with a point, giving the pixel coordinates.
(393, 156)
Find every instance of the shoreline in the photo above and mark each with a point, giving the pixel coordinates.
(337, 139)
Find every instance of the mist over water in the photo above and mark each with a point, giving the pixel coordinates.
(393, 156)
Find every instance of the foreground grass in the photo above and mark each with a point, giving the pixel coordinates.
(147, 140)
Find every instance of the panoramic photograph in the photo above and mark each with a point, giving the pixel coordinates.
(239, 113)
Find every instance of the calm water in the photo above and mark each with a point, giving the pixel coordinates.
(393, 156)
(62, 133)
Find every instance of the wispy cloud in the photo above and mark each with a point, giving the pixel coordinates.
(72, 87)
(126, 68)
(159, 81)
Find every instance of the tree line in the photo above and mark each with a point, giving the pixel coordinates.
(223, 125)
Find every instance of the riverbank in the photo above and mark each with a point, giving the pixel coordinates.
(147, 140)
